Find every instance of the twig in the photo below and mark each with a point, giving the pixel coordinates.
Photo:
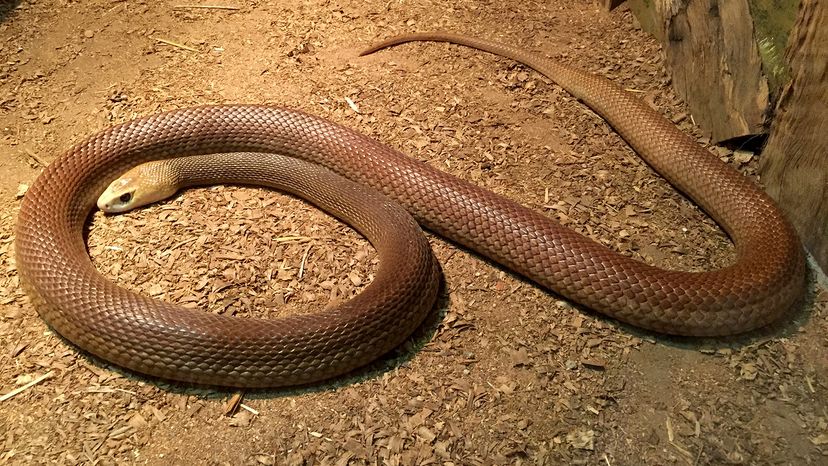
(207, 7)
(304, 261)
(36, 158)
(175, 44)
(248, 408)
(26, 387)
(284, 239)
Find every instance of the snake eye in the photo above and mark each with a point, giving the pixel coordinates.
(126, 197)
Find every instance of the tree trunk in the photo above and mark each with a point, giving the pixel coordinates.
(794, 163)
(714, 60)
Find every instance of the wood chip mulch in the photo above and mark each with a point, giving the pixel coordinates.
(504, 372)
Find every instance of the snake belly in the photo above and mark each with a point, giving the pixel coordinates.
(765, 281)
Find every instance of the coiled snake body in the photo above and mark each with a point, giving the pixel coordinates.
(160, 339)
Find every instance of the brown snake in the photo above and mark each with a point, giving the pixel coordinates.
(164, 340)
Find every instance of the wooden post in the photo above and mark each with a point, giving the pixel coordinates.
(794, 164)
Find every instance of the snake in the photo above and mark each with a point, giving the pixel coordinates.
(764, 282)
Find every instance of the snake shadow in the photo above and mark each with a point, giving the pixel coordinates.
(791, 324)
(400, 357)
(397, 358)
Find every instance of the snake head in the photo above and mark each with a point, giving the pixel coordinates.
(140, 186)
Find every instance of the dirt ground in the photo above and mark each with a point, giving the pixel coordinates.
(505, 373)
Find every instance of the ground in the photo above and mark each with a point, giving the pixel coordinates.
(505, 372)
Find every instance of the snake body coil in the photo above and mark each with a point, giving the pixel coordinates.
(763, 283)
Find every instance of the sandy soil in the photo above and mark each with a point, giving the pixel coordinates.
(505, 373)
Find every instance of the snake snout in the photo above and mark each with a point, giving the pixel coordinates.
(118, 196)
(116, 204)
